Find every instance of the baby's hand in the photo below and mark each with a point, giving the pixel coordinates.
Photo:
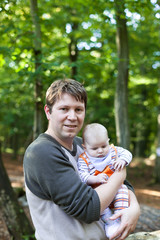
(119, 164)
(102, 178)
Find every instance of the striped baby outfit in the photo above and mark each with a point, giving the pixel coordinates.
(87, 168)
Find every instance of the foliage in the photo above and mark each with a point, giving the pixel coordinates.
(29, 237)
(96, 64)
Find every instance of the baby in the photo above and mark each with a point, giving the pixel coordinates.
(98, 163)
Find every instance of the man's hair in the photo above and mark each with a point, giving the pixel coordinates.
(93, 129)
(61, 86)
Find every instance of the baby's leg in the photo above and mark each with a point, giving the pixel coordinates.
(120, 202)
(111, 226)
(121, 199)
(106, 215)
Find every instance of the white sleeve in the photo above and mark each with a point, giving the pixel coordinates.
(124, 154)
(83, 170)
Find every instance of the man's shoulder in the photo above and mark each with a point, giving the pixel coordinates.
(42, 140)
(42, 146)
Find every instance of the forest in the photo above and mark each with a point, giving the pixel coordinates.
(112, 47)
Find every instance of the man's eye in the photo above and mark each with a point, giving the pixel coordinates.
(63, 109)
(79, 110)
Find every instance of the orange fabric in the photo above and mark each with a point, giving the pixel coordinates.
(85, 159)
(114, 149)
(107, 171)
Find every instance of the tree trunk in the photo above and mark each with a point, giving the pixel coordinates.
(17, 223)
(38, 116)
(157, 164)
(121, 95)
(73, 50)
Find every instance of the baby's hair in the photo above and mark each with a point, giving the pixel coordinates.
(93, 130)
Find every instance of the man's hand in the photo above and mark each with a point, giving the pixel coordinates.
(129, 218)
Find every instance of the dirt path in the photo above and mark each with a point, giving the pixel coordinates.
(140, 174)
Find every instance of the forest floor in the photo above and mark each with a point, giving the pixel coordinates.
(139, 173)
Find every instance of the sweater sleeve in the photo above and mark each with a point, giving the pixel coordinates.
(124, 154)
(50, 176)
(83, 170)
(127, 156)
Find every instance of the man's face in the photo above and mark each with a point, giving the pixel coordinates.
(66, 118)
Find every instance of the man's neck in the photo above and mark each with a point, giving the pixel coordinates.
(67, 143)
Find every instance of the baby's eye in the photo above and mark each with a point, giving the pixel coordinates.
(104, 146)
(94, 149)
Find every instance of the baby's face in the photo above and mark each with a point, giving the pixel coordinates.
(97, 147)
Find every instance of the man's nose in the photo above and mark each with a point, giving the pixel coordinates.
(72, 115)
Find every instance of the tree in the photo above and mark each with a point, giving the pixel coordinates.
(157, 164)
(93, 38)
(73, 49)
(143, 27)
(121, 96)
(17, 223)
(38, 117)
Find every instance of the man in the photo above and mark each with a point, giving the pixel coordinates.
(61, 206)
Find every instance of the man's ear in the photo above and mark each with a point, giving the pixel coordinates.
(47, 111)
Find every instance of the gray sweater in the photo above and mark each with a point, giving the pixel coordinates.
(61, 206)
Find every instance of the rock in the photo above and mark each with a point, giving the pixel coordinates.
(145, 235)
(149, 219)
(148, 226)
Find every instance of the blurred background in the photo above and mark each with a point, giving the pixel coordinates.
(112, 47)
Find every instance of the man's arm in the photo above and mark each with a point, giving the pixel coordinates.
(107, 191)
(51, 176)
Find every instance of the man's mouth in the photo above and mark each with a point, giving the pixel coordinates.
(70, 126)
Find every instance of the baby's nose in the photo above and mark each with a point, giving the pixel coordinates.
(100, 150)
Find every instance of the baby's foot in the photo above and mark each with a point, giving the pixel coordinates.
(111, 227)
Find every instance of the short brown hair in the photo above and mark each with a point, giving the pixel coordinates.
(61, 86)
